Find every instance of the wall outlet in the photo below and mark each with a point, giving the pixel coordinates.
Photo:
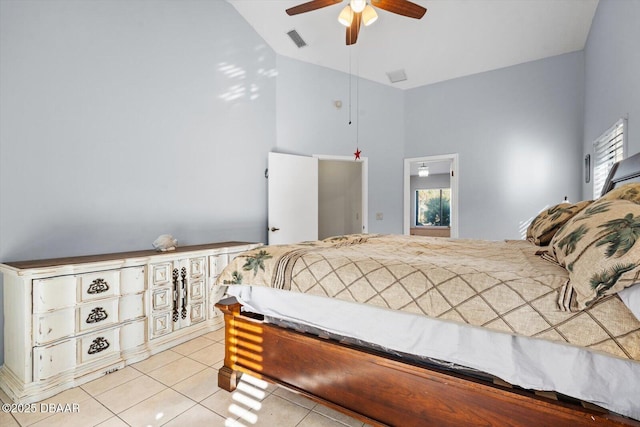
(379, 216)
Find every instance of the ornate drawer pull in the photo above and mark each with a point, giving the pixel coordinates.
(98, 286)
(175, 295)
(183, 273)
(98, 314)
(98, 345)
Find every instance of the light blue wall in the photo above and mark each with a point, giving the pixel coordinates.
(309, 123)
(612, 74)
(518, 132)
(124, 120)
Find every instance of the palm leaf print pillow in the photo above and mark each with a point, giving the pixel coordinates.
(600, 249)
(629, 192)
(546, 224)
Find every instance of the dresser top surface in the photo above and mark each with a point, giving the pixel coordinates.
(52, 262)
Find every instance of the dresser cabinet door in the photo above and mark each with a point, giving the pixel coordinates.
(178, 294)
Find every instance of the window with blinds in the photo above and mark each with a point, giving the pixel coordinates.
(608, 149)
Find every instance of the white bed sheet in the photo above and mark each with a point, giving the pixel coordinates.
(531, 363)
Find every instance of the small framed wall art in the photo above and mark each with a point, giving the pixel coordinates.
(587, 168)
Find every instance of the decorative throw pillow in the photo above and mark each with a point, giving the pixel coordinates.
(547, 223)
(629, 192)
(600, 248)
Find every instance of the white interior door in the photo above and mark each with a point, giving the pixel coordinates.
(293, 198)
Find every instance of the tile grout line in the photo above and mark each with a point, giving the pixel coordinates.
(138, 403)
(110, 411)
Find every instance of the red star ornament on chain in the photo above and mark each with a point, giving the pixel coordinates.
(357, 154)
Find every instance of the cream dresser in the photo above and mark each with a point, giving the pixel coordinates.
(71, 320)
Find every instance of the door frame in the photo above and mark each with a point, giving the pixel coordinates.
(365, 183)
(453, 158)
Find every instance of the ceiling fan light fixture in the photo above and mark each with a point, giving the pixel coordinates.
(358, 5)
(346, 16)
(369, 15)
(423, 171)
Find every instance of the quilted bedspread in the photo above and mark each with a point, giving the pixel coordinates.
(504, 286)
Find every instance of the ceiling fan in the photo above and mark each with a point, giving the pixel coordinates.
(359, 12)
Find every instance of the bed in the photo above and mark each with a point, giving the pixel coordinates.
(403, 330)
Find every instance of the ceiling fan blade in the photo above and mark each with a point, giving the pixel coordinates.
(311, 5)
(354, 29)
(401, 7)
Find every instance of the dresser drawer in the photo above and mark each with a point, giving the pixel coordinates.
(67, 322)
(54, 359)
(60, 292)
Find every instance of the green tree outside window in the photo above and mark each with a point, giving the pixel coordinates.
(433, 207)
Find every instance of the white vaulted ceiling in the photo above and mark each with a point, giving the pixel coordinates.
(455, 38)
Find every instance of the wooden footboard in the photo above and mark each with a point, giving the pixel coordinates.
(380, 390)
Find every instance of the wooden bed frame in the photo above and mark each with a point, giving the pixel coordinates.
(380, 389)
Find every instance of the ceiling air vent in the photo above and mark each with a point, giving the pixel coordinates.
(397, 76)
(296, 38)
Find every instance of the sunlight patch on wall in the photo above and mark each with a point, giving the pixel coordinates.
(268, 73)
(524, 225)
(232, 71)
(239, 87)
(234, 92)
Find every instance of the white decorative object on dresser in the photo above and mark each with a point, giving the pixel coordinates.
(71, 320)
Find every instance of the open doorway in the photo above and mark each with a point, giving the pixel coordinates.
(295, 205)
(431, 195)
(342, 196)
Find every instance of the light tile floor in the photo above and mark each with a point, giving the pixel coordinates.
(177, 387)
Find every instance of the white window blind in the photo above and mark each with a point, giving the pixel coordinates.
(608, 149)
